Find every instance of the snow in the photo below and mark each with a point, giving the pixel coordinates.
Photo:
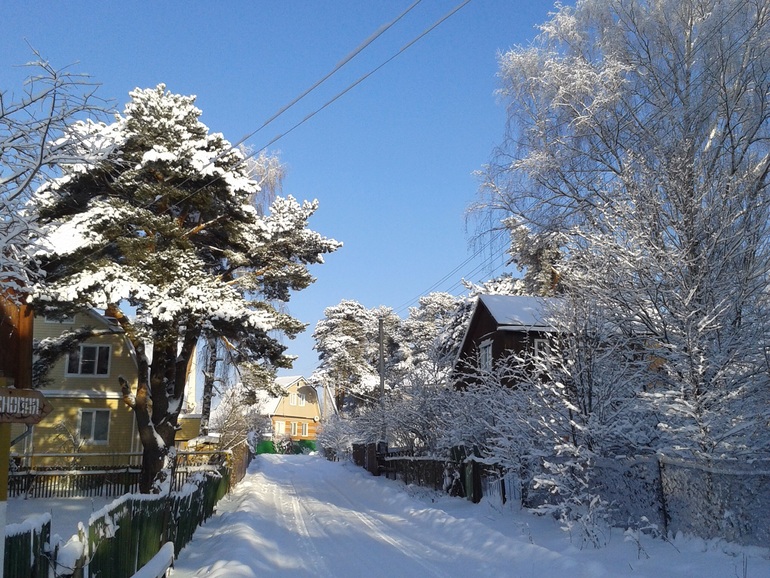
(303, 515)
(519, 310)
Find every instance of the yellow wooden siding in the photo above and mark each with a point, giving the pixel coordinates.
(189, 428)
(122, 362)
(49, 438)
(312, 428)
(70, 394)
(298, 414)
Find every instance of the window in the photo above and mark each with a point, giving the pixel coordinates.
(541, 347)
(485, 355)
(301, 399)
(89, 360)
(280, 428)
(292, 399)
(304, 429)
(294, 428)
(95, 425)
(297, 399)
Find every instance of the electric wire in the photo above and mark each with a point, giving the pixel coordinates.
(347, 59)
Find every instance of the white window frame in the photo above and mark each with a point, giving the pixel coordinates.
(292, 398)
(96, 373)
(304, 429)
(485, 355)
(294, 428)
(90, 437)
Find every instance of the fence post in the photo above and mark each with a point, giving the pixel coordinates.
(662, 495)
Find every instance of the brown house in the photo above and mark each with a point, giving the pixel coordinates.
(501, 325)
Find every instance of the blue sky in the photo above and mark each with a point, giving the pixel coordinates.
(391, 161)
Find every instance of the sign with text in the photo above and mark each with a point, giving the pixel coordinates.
(22, 405)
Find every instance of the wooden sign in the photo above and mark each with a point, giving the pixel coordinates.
(22, 405)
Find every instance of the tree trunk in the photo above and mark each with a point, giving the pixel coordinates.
(209, 376)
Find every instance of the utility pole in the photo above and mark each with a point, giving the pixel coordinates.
(382, 377)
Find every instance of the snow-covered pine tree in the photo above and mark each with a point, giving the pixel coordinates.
(158, 217)
(347, 342)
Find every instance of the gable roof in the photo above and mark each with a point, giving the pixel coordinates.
(270, 403)
(511, 313)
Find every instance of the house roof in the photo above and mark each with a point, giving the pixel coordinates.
(270, 403)
(518, 311)
(512, 313)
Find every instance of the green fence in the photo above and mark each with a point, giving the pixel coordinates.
(133, 530)
(25, 548)
(125, 535)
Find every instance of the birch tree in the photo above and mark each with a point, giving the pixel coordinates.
(638, 134)
(31, 124)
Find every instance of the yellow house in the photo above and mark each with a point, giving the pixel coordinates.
(297, 414)
(89, 416)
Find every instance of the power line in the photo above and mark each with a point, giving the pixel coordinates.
(344, 61)
(376, 34)
(451, 273)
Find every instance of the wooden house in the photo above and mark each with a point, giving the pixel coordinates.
(501, 325)
(89, 417)
(296, 414)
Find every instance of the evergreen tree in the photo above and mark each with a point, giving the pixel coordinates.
(161, 219)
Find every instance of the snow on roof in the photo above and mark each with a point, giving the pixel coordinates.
(270, 403)
(287, 381)
(519, 310)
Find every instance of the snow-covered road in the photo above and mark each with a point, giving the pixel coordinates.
(304, 516)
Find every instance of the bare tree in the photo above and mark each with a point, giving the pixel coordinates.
(638, 135)
(31, 124)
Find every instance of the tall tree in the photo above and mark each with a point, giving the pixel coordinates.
(220, 357)
(347, 342)
(162, 220)
(638, 134)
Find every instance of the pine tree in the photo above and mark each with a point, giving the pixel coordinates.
(158, 217)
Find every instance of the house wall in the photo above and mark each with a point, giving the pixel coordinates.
(122, 362)
(189, 428)
(53, 434)
(70, 395)
(309, 413)
(506, 341)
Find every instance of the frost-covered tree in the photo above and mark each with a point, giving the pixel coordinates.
(161, 219)
(31, 124)
(430, 337)
(638, 135)
(220, 357)
(347, 342)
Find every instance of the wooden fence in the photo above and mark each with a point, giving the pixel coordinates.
(26, 548)
(128, 533)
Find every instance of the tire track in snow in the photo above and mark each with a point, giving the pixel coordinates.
(384, 531)
(307, 542)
